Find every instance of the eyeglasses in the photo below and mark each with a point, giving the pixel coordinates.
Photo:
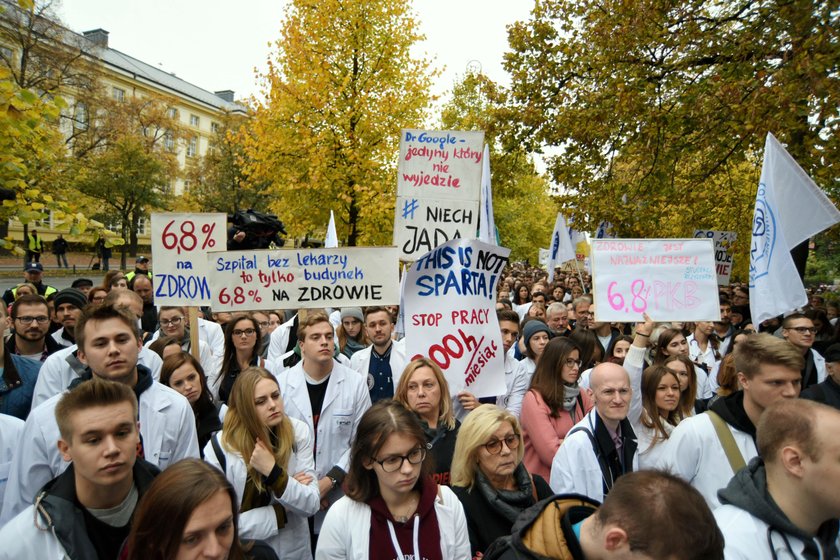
(244, 332)
(803, 330)
(572, 363)
(395, 462)
(41, 319)
(173, 322)
(263, 324)
(494, 446)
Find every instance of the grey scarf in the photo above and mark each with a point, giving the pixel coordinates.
(510, 503)
(570, 393)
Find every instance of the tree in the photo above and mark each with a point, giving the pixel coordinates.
(218, 182)
(132, 170)
(657, 110)
(524, 210)
(341, 86)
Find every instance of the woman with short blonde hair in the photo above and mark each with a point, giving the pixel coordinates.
(489, 477)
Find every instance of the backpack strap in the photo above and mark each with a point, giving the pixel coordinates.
(220, 455)
(727, 441)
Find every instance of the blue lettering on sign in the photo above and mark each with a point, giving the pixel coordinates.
(764, 233)
(182, 287)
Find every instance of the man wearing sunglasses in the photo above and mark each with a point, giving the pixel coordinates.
(799, 330)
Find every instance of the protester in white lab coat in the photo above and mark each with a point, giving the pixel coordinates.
(383, 361)
(174, 322)
(11, 430)
(109, 344)
(329, 398)
(243, 340)
(393, 508)
(277, 484)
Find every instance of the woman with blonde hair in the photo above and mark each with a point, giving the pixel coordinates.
(423, 390)
(489, 477)
(257, 449)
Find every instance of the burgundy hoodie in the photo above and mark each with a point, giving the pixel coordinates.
(381, 546)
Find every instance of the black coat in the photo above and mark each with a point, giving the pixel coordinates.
(486, 524)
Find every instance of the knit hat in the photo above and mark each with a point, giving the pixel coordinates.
(354, 312)
(72, 296)
(832, 353)
(532, 327)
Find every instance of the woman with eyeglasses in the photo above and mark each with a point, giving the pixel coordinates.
(268, 458)
(392, 507)
(488, 475)
(424, 391)
(173, 322)
(243, 342)
(553, 404)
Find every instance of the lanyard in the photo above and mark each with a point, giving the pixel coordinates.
(397, 549)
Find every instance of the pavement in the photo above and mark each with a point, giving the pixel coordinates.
(11, 270)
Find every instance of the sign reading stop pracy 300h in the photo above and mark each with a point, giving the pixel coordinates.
(303, 278)
(438, 185)
(450, 314)
(180, 243)
(669, 279)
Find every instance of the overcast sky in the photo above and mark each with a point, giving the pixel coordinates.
(219, 45)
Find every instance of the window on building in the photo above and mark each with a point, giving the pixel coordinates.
(192, 147)
(80, 116)
(118, 93)
(194, 120)
(172, 113)
(214, 126)
(168, 142)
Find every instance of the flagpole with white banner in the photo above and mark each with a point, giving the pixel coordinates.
(331, 240)
(486, 221)
(561, 249)
(789, 209)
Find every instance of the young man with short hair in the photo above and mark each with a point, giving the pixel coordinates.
(785, 504)
(384, 360)
(62, 367)
(109, 344)
(69, 303)
(85, 512)
(330, 398)
(768, 371)
(799, 330)
(648, 515)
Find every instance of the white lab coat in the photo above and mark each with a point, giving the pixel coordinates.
(22, 539)
(279, 339)
(167, 426)
(210, 333)
(346, 400)
(346, 530)
(60, 368)
(299, 500)
(517, 382)
(694, 453)
(209, 362)
(360, 361)
(11, 430)
(575, 467)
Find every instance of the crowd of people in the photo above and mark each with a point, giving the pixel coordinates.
(313, 434)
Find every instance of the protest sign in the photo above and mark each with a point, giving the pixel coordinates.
(303, 278)
(180, 243)
(450, 314)
(669, 279)
(724, 240)
(438, 185)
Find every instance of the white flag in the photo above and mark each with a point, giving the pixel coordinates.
(561, 249)
(399, 327)
(331, 240)
(486, 222)
(789, 209)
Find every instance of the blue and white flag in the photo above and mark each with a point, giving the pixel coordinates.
(604, 231)
(486, 222)
(789, 209)
(561, 249)
(331, 240)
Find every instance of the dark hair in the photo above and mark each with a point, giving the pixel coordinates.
(175, 361)
(229, 358)
(727, 376)
(546, 380)
(608, 355)
(370, 310)
(28, 299)
(103, 313)
(161, 342)
(652, 507)
(588, 343)
(507, 315)
(688, 396)
(665, 338)
(651, 378)
(793, 317)
(383, 419)
(95, 290)
(166, 508)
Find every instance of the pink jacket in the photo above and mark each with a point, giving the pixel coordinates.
(543, 433)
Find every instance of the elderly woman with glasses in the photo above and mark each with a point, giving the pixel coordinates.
(488, 475)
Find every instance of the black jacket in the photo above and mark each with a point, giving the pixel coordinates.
(485, 523)
(544, 531)
(827, 392)
(56, 504)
